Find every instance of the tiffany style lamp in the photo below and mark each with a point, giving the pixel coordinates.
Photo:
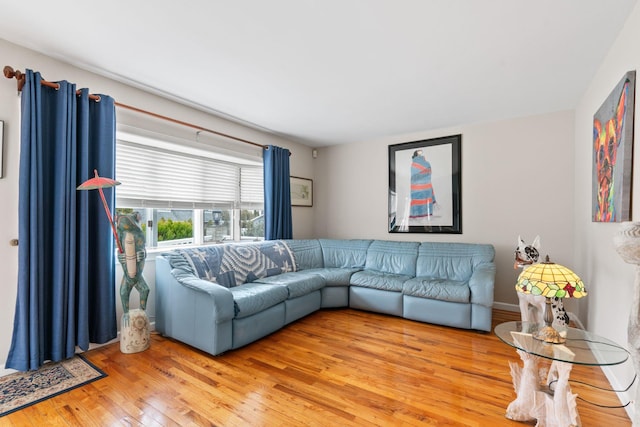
(550, 280)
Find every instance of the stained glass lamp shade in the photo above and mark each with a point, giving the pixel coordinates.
(550, 280)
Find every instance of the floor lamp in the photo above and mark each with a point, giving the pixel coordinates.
(135, 329)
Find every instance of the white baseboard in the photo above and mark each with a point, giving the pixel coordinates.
(516, 308)
(6, 371)
(506, 307)
(623, 396)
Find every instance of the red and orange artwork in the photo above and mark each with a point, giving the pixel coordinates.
(612, 151)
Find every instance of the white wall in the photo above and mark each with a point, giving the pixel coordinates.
(53, 70)
(517, 179)
(609, 279)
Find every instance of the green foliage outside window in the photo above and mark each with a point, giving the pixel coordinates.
(217, 224)
(169, 229)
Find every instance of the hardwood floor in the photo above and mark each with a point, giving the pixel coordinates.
(333, 368)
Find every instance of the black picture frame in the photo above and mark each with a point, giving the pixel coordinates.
(301, 191)
(435, 204)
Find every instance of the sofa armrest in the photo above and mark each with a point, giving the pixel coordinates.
(481, 284)
(192, 310)
(220, 298)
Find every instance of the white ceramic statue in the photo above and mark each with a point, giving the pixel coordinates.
(627, 243)
(532, 306)
(135, 330)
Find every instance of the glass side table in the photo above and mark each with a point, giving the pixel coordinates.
(552, 405)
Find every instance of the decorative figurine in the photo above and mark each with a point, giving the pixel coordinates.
(526, 255)
(627, 243)
(135, 334)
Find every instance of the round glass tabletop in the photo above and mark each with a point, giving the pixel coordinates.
(581, 348)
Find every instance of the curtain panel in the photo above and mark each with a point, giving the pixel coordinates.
(278, 223)
(66, 267)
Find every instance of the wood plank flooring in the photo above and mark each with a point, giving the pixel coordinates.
(333, 368)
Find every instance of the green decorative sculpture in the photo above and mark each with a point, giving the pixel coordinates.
(135, 336)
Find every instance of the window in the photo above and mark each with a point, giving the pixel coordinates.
(186, 193)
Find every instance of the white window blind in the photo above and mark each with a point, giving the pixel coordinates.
(160, 178)
(251, 188)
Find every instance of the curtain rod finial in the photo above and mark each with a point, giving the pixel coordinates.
(10, 73)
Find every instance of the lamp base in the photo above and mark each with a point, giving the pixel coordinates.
(549, 335)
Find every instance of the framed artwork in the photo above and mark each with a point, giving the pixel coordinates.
(301, 191)
(425, 186)
(612, 154)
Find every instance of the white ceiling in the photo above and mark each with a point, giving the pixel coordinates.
(335, 71)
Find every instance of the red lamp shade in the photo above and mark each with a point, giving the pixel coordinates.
(100, 182)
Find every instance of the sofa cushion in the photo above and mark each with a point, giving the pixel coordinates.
(335, 276)
(392, 257)
(297, 284)
(455, 261)
(307, 253)
(236, 263)
(344, 253)
(379, 280)
(252, 298)
(439, 289)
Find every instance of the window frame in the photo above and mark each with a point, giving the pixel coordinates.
(157, 143)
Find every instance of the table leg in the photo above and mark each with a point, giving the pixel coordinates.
(526, 384)
(563, 410)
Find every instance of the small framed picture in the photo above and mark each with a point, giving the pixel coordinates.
(301, 191)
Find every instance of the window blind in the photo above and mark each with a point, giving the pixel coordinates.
(251, 188)
(160, 178)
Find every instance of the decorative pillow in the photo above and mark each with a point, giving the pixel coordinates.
(233, 264)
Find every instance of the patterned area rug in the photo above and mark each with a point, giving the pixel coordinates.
(23, 389)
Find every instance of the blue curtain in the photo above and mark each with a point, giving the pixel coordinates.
(278, 223)
(66, 269)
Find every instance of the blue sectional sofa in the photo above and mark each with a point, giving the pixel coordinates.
(222, 297)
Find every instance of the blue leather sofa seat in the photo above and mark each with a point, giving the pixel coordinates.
(303, 293)
(379, 280)
(438, 289)
(223, 297)
(252, 298)
(297, 284)
(379, 286)
(333, 260)
(453, 285)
